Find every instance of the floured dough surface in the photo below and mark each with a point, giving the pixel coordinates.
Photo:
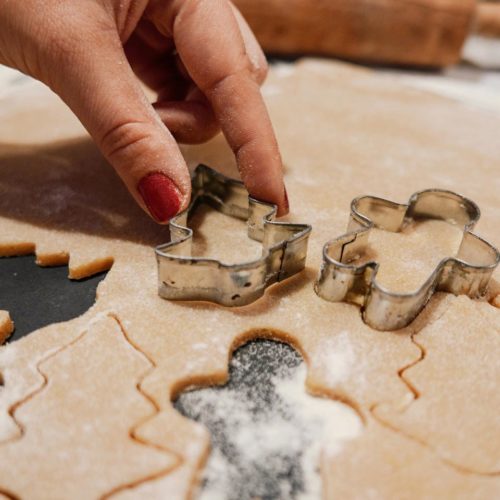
(407, 258)
(385, 464)
(78, 451)
(343, 132)
(465, 433)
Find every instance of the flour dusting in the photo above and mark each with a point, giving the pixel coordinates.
(338, 357)
(267, 432)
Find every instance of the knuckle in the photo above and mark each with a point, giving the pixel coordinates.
(229, 79)
(128, 137)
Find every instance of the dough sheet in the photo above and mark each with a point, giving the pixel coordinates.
(79, 396)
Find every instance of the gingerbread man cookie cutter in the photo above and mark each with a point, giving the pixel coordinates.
(183, 277)
(341, 278)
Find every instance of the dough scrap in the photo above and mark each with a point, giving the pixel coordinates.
(6, 326)
(496, 301)
(468, 425)
(367, 136)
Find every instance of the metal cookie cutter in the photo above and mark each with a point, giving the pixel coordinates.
(468, 273)
(183, 277)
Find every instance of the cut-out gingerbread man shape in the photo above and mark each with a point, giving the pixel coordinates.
(267, 432)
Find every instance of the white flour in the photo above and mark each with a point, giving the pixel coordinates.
(267, 432)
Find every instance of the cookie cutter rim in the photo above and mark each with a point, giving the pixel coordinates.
(184, 277)
(468, 272)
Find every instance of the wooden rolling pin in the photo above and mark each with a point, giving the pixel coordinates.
(488, 19)
(405, 32)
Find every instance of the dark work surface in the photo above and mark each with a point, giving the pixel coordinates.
(38, 296)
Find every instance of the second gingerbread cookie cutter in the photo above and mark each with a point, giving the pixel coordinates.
(183, 277)
(467, 273)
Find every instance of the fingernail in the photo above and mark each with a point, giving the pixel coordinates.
(161, 196)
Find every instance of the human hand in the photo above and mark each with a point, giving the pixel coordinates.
(199, 56)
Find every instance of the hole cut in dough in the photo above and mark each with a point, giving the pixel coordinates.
(267, 432)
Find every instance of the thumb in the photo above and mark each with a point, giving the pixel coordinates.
(99, 86)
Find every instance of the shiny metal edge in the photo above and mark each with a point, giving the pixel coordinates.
(468, 272)
(183, 277)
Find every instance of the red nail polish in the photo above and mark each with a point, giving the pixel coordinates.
(161, 196)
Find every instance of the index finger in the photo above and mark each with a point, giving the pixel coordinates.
(210, 44)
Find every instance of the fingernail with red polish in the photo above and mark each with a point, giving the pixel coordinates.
(161, 196)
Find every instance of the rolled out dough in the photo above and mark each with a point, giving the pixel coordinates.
(344, 132)
(386, 464)
(97, 409)
(448, 386)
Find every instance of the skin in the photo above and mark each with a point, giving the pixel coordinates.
(199, 56)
